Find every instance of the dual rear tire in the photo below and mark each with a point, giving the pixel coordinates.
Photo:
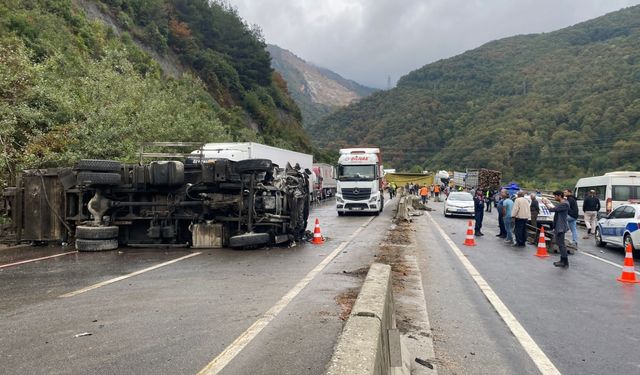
(90, 238)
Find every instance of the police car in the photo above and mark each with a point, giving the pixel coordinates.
(620, 227)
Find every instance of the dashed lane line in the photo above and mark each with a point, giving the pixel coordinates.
(120, 278)
(536, 354)
(36, 259)
(229, 353)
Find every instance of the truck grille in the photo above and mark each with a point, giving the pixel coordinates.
(356, 194)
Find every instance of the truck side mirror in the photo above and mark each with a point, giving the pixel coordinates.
(307, 171)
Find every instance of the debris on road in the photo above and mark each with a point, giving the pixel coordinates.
(83, 334)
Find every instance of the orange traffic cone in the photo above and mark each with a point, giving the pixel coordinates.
(542, 245)
(317, 237)
(470, 240)
(628, 272)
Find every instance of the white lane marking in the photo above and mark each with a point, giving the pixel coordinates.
(603, 260)
(231, 351)
(120, 278)
(35, 260)
(536, 354)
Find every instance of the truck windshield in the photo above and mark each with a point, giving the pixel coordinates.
(356, 172)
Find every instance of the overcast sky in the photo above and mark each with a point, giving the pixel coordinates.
(368, 40)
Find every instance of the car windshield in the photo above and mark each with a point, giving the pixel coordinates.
(356, 172)
(465, 197)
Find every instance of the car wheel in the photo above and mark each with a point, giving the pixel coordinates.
(98, 178)
(98, 165)
(598, 236)
(253, 165)
(86, 232)
(629, 241)
(96, 245)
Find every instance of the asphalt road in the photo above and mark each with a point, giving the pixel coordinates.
(581, 317)
(177, 318)
(182, 316)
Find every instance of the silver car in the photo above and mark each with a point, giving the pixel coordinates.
(459, 203)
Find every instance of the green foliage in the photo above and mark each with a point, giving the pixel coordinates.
(72, 89)
(545, 108)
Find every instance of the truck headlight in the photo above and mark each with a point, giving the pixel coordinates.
(339, 199)
(373, 199)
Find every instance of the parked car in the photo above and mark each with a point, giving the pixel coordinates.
(620, 227)
(545, 217)
(459, 203)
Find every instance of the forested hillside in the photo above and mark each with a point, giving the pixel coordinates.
(317, 91)
(71, 87)
(543, 108)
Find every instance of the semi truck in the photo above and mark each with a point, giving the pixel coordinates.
(102, 204)
(360, 184)
(325, 183)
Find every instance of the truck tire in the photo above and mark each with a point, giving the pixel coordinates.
(86, 232)
(98, 178)
(253, 165)
(96, 245)
(98, 165)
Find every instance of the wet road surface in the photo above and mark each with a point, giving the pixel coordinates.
(177, 318)
(581, 317)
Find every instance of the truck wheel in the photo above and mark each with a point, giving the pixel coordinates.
(98, 165)
(98, 178)
(96, 245)
(253, 165)
(86, 232)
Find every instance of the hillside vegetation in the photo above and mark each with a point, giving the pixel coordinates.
(74, 88)
(543, 108)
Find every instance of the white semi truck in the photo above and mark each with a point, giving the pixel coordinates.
(359, 181)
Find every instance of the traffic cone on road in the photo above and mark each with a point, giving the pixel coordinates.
(470, 240)
(317, 236)
(542, 245)
(628, 272)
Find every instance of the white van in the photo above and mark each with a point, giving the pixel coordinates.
(613, 189)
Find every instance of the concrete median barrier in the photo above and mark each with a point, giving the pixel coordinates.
(370, 343)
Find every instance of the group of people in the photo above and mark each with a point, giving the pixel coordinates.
(517, 212)
(423, 191)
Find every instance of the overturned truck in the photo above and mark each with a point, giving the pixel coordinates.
(101, 204)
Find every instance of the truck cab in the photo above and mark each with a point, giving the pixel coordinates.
(359, 181)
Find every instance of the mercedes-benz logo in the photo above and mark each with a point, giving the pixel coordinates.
(356, 191)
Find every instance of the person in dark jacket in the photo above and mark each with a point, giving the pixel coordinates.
(503, 231)
(572, 217)
(478, 204)
(560, 225)
(535, 209)
(590, 207)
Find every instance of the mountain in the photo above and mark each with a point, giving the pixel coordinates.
(317, 91)
(543, 108)
(95, 79)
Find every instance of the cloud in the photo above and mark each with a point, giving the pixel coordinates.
(368, 40)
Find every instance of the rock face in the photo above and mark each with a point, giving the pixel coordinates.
(317, 91)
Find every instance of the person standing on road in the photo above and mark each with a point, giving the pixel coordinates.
(487, 200)
(572, 217)
(560, 225)
(478, 210)
(500, 200)
(590, 207)
(507, 206)
(436, 191)
(424, 194)
(521, 214)
(534, 207)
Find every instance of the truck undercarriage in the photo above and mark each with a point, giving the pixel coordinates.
(199, 203)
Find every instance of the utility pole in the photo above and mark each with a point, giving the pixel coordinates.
(388, 82)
